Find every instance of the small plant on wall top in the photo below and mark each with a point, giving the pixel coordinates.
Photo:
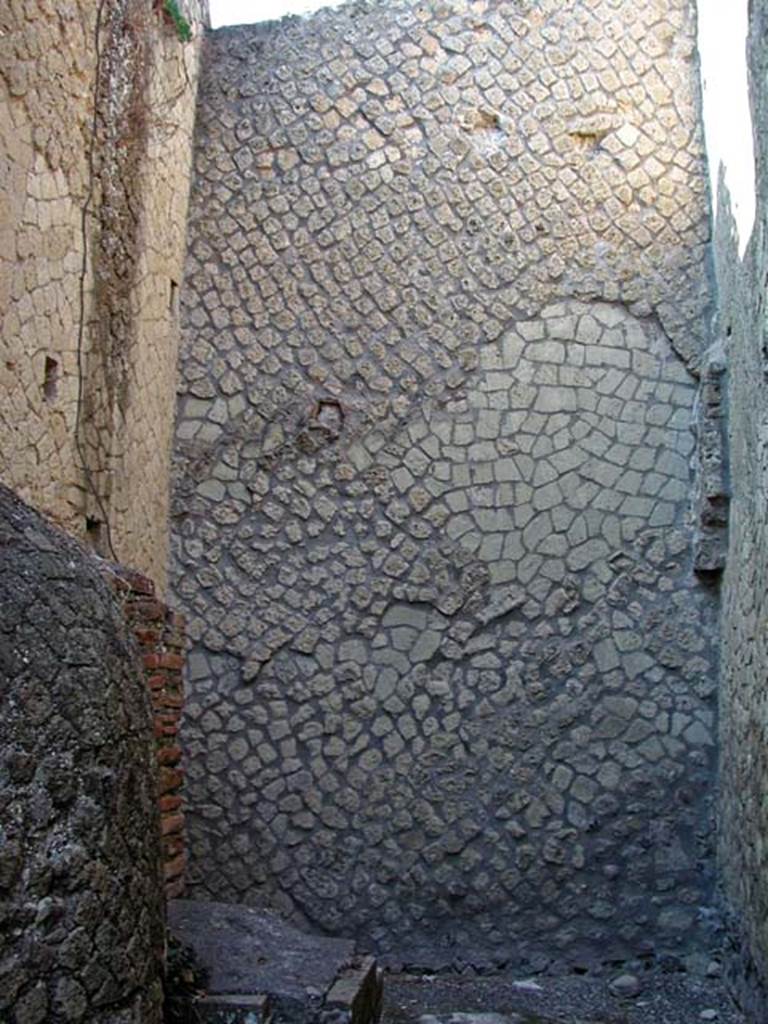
(170, 9)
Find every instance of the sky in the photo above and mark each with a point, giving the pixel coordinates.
(240, 12)
(727, 118)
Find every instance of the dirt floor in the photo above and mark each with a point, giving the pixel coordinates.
(502, 999)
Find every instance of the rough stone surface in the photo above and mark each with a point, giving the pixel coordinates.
(711, 497)
(452, 680)
(81, 934)
(86, 418)
(743, 810)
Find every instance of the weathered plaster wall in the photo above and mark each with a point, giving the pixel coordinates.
(741, 325)
(102, 398)
(452, 679)
(81, 899)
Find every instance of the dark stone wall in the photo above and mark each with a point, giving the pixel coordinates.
(81, 913)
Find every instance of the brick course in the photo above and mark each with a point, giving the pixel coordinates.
(160, 634)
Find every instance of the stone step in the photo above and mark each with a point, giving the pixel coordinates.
(220, 1009)
(262, 970)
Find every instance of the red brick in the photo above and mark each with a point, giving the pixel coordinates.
(148, 610)
(138, 583)
(160, 633)
(147, 636)
(173, 845)
(175, 661)
(169, 755)
(174, 867)
(171, 823)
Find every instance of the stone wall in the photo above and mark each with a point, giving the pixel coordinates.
(452, 686)
(741, 325)
(96, 111)
(81, 918)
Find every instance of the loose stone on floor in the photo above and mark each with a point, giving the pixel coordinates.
(503, 999)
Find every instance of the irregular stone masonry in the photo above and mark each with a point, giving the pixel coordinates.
(82, 935)
(452, 679)
(159, 633)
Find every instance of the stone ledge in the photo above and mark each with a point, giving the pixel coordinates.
(261, 969)
(223, 1009)
(357, 994)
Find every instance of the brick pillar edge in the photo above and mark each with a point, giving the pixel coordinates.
(160, 634)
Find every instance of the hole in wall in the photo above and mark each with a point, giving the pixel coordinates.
(50, 379)
(587, 140)
(94, 533)
(173, 297)
(329, 415)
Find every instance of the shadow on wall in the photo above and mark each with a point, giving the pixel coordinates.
(83, 934)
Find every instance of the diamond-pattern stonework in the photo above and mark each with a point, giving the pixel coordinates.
(452, 681)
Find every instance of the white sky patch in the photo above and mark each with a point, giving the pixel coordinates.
(727, 118)
(246, 12)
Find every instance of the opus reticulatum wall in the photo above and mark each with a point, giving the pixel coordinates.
(452, 676)
(80, 874)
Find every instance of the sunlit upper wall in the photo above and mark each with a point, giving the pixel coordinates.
(243, 12)
(727, 119)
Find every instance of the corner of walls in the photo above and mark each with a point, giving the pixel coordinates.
(741, 269)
